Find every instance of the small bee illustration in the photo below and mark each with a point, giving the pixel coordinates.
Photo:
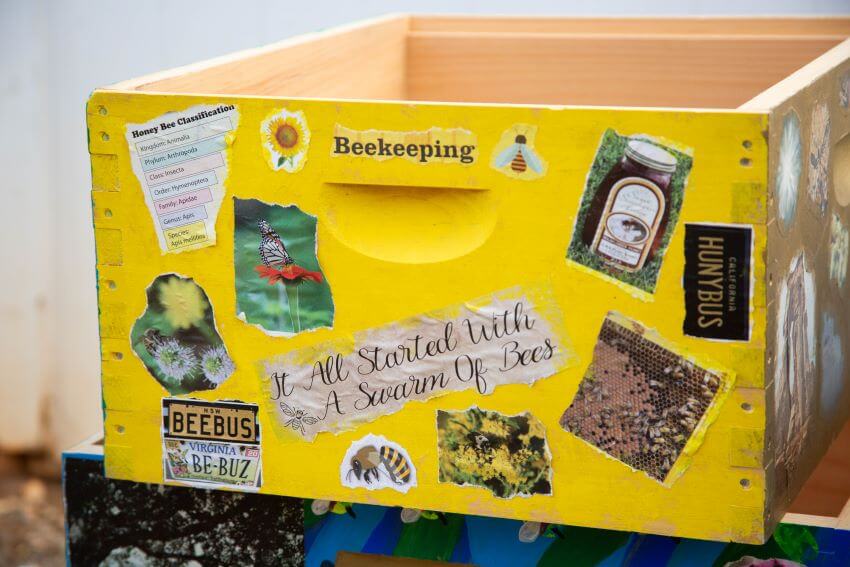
(298, 417)
(520, 157)
(366, 465)
(152, 339)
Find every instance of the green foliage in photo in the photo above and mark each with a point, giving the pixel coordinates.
(283, 306)
(611, 150)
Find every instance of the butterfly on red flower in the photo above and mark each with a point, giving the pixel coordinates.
(278, 265)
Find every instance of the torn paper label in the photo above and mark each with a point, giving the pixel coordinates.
(375, 462)
(435, 145)
(511, 337)
(211, 444)
(717, 281)
(180, 159)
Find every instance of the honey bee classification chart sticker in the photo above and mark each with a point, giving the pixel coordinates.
(179, 159)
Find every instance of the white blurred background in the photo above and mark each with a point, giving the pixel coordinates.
(52, 55)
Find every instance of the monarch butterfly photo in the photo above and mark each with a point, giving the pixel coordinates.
(280, 286)
(272, 250)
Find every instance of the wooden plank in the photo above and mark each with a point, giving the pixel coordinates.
(360, 61)
(602, 70)
(843, 522)
(824, 500)
(809, 520)
(828, 488)
(800, 426)
(800, 79)
(314, 65)
(630, 25)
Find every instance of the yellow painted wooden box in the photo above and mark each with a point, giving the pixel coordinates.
(580, 271)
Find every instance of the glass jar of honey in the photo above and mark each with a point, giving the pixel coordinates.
(628, 215)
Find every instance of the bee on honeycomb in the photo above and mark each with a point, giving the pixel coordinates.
(639, 401)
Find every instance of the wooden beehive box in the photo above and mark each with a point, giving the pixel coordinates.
(581, 271)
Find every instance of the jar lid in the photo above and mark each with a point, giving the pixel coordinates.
(651, 155)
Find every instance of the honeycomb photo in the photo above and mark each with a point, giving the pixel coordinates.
(639, 401)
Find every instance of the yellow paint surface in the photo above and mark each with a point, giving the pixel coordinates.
(398, 237)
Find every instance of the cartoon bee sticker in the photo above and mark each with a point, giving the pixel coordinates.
(374, 462)
(369, 460)
(515, 155)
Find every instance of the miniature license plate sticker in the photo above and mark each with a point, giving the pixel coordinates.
(717, 281)
(180, 160)
(511, 337)
(211, 444)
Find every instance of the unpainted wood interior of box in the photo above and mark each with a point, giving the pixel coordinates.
(827, 491)
(674, 62)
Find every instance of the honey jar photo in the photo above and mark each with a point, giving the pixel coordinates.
(629, 212)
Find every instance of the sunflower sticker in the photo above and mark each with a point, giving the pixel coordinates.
(285, 137)
(177, 340)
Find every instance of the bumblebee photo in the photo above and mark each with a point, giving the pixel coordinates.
(280, 286)
(639, 401)
(374, 462)
(177, 340)
(507, 455)
(629, 208)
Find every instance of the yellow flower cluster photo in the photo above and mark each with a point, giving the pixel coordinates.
(507, 455)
